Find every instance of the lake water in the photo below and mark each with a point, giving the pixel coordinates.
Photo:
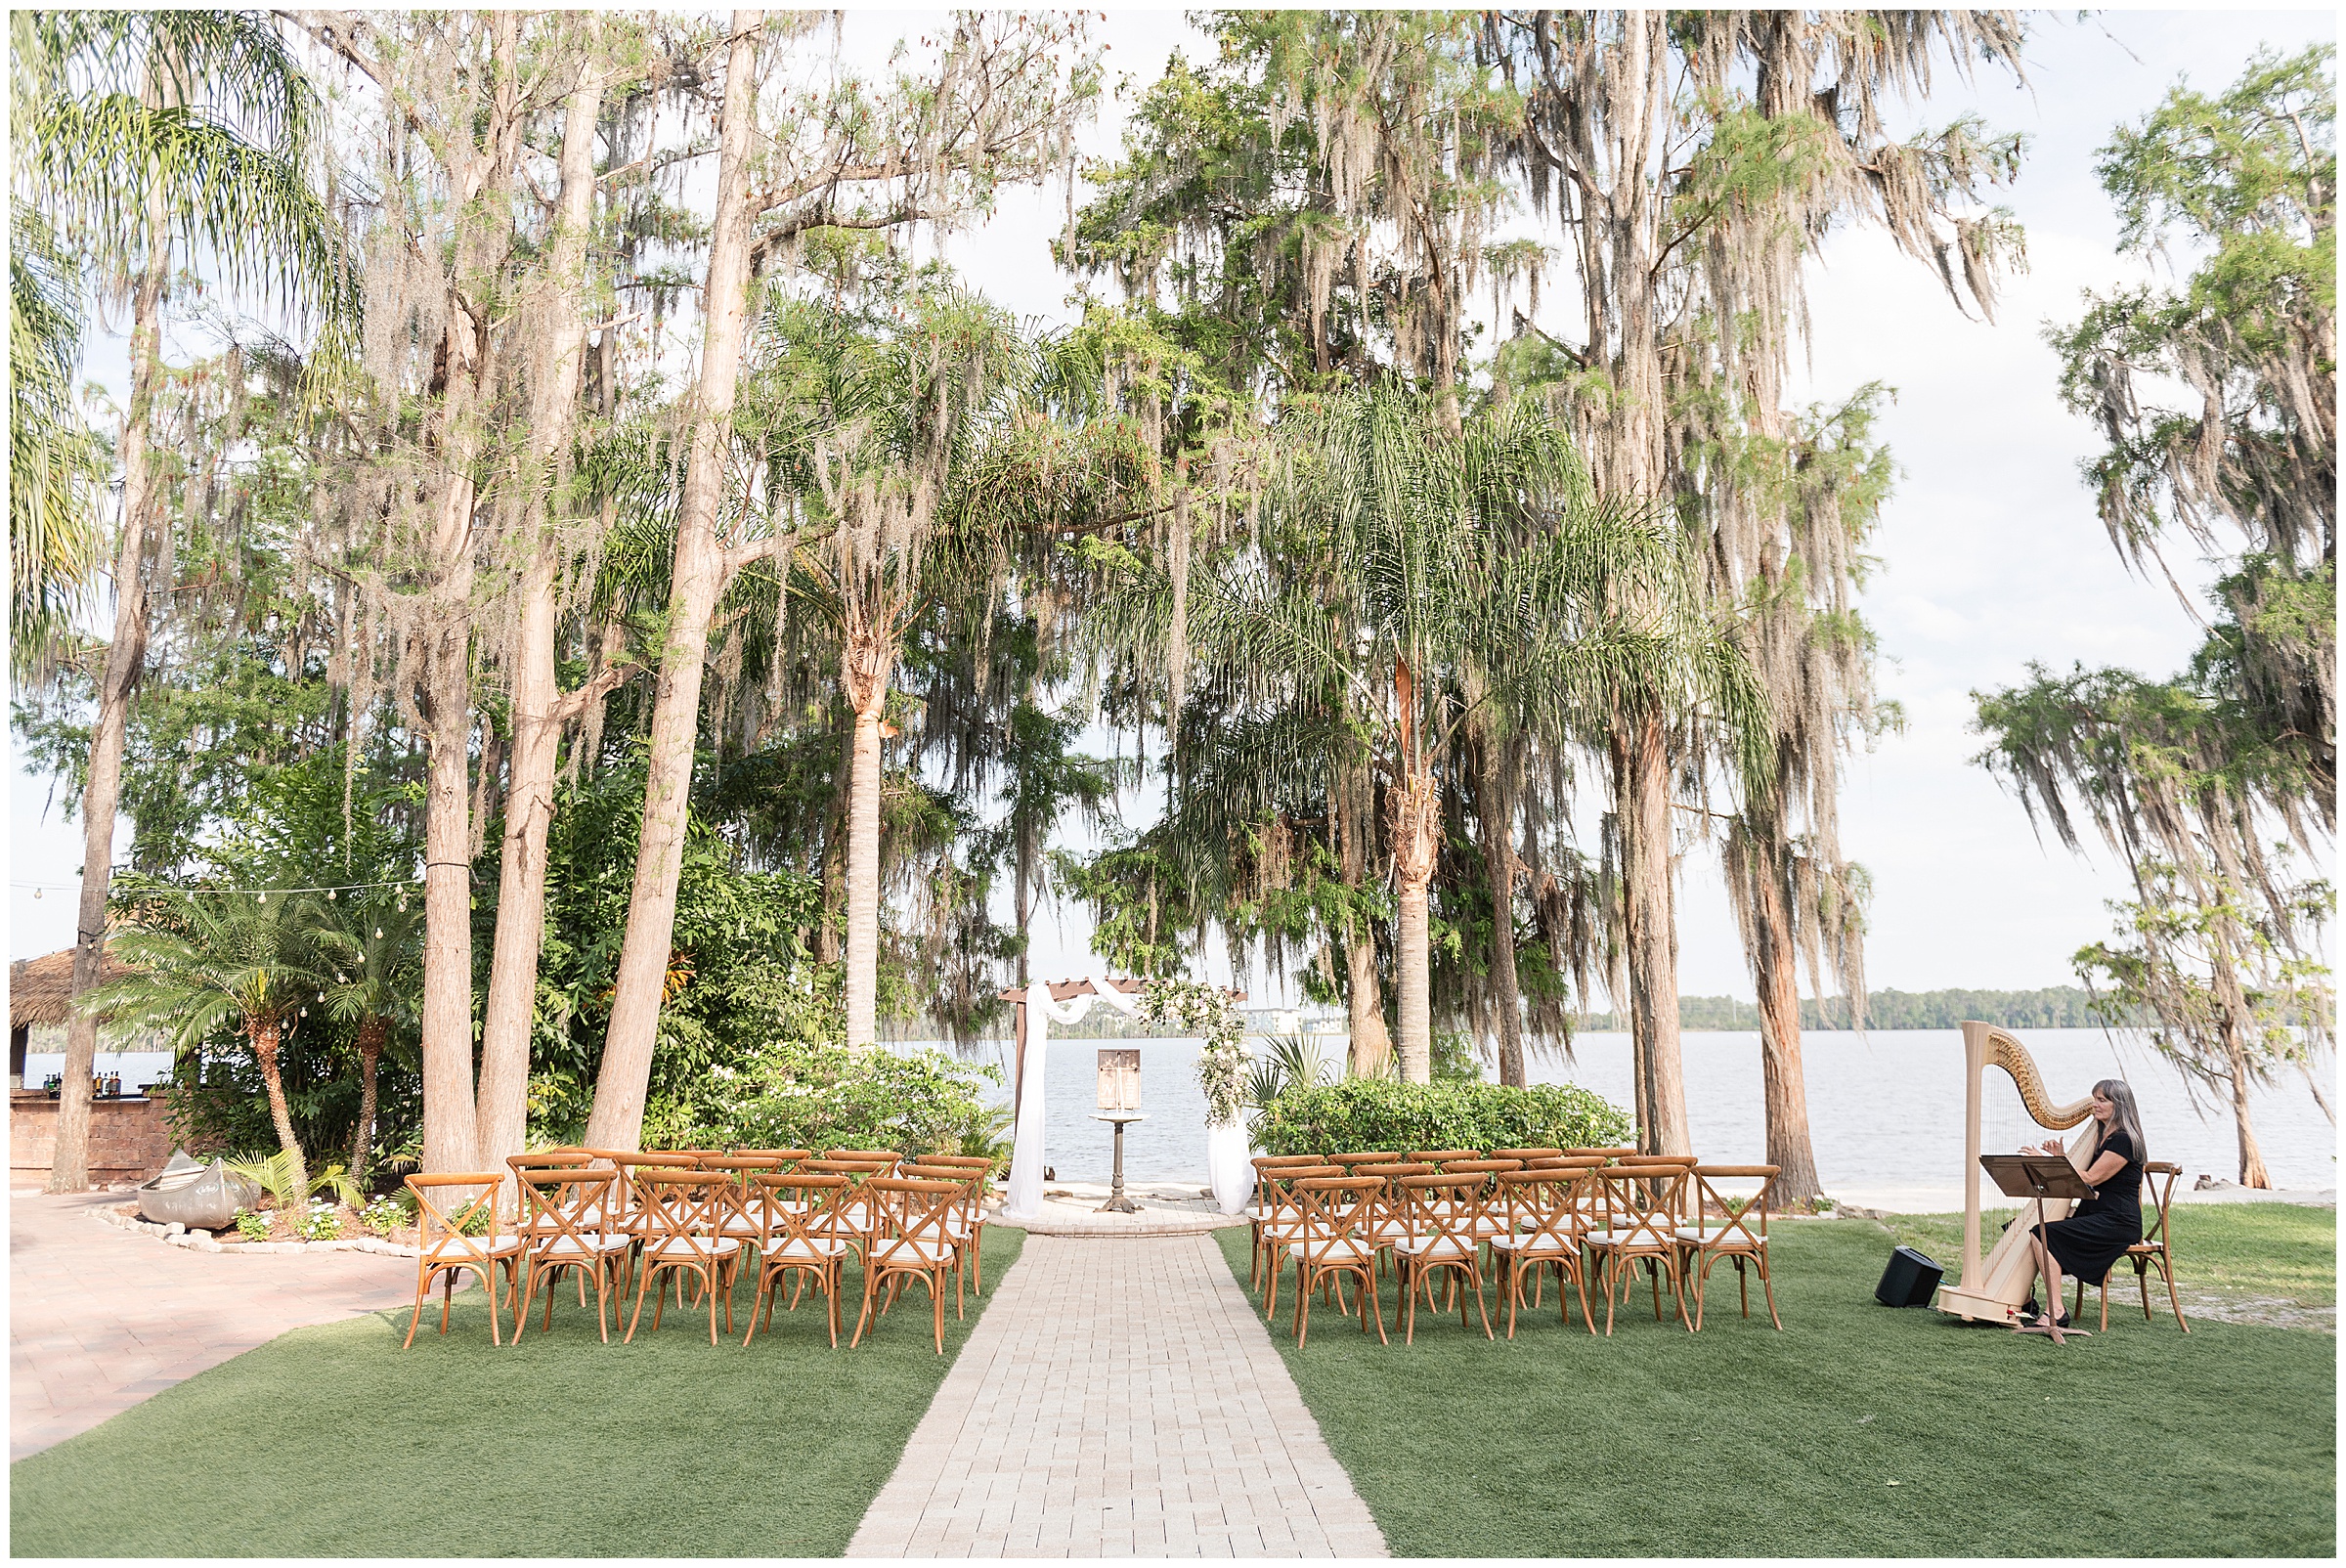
(1886, 1109)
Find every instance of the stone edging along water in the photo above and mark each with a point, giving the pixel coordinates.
(125, 1217)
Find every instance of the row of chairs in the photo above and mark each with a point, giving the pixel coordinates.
(614, 1217)
(1586, 1215)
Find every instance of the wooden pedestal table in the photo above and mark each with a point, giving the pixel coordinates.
(2037, 1177)
(1117, 1202)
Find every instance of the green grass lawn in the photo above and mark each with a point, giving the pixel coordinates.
(1858, 1429)
(2261, 1251)
(333, 1441)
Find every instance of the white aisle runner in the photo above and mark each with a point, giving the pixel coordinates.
(1120, 1399)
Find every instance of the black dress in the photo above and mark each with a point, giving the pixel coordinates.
(2100, 1229)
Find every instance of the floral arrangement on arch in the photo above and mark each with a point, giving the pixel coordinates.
(1207, 1010)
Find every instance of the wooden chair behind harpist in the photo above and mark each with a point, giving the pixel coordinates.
(2159, 1176)
(1992, 1288)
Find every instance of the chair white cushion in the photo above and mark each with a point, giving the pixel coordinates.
(1711, 1235)
(564, 1247)
(1322, 1251)
(821, 1250)
(924, 1252)
(1433, 1247)
(1532, 1246)
(674, 1247)
(466, 1247)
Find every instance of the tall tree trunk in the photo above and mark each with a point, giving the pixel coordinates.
(537, 715)
(1641, 782)
(1372, 1046)
(117, 679)
(1417, 839)
(865, 665)
(372, 1031)
(266, 1038)
(2252, 1159)
(1496, 811)
(617, 1120)
(447, 1012)
(1783, 1086)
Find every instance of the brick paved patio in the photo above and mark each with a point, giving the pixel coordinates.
(100, 1319)
(1120, 1399)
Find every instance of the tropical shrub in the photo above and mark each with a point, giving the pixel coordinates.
(1382, 1114)
(253, 1227)
(801, 1094)
(320, 1224)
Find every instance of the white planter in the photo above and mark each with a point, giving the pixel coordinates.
(1227, 1168)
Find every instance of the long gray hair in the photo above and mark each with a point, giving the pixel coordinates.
(2128, 1119)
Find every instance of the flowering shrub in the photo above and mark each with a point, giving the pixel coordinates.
(253, 1227)
(387, 1213)
(319, 1223)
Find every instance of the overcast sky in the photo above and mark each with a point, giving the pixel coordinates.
(1990, 552)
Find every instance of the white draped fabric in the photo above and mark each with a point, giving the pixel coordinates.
(1025, 1200)
(1228, 1168)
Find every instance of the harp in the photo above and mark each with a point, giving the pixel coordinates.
(1993, 1288)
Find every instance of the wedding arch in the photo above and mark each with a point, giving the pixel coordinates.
(1042, 1004)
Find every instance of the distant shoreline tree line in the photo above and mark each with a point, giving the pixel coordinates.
(2052, 1007)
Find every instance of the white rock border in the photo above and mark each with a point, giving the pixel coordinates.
(125, 1217)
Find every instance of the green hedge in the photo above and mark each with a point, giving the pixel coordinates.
(1378, 1114)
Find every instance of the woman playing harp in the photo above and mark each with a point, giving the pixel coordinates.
(1992, 1288)
(2100, 1229)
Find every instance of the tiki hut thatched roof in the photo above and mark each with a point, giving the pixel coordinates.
(40, 991)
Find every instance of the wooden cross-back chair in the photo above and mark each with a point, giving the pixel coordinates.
(1443, 1225)
(2152, 1250)
(1328, 1245)
(443, 1251)
(1527, 1155)
(1384, 1226)
(1436, 1157)
(1278, 1222)
(968, 1224)
(1357, 1158)
(1642, 1208)
(683, 1213)
(911, 1238)
(562, 1208)
(1546, 1213)
(798, 1235)
(1730, 1225)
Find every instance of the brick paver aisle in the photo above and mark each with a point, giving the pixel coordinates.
(1121, 1398)
(101, 1319)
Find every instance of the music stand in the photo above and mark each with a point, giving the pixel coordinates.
(2037, 1177)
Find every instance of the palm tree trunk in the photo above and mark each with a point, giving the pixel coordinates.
(1641, 781)
(501, 1117)
(1416, 839)
(102, 786)
(617, 1120)
(1496, 809)
(1372, 1046)
(265, 1041)
(371, 1032)
(864, 668)
(1364, 997)
(447, 1012)
(1784, 1088)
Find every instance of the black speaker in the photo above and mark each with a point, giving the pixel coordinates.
(1908, 1281)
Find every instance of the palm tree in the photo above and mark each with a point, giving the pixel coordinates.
(53, 461)
(377, 955)
(162, 132)
(203, 959)
(1468, 557)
